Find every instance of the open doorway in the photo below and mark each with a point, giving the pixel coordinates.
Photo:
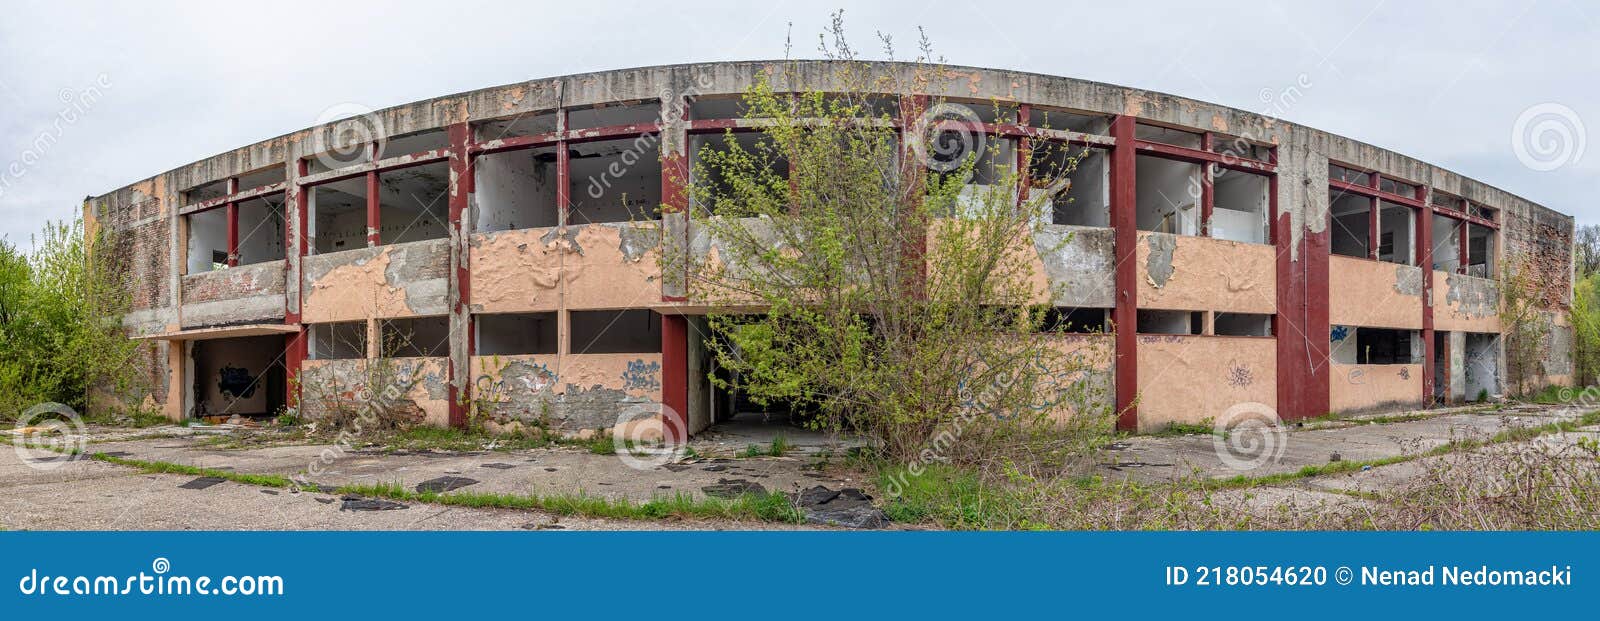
(241, 377)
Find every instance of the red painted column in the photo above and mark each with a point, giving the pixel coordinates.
(1208, 200)
(295, 344)
(460, 134)
(1301, 325)
(1125, 315)
(1372, 219)
(374, 211)
(1024, 154)
(675, 378)
(1424, 243)
(1461, 239)
(294, 353)
(233, 224)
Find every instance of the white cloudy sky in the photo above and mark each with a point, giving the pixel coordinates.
(1443, 82)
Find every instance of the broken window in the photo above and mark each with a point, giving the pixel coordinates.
(519, 126)
(1081, 196)
(615, 331)
(1066, 120)
(264, 177)
(1446, 243)
(513, 334)
(1349, 221)
(1479, 211)
(414, 337)
(615, 180)
(413, 205)
(1237, 147)
(1167, 135)
(1075, 320)
(992, 172)
(721, 107)
(1242, 324)
(1386, 346)
(607, 115)
(345, 340)
(1168, 195)
(516, 190)
(208, 240)
(1348, 175)
(720, 143)
(1171, 322)
(1396, 231)
(430, 140)
(1394, 186)
(1443, 200)
(1239, 209)
(205, 192)
(1480, 251)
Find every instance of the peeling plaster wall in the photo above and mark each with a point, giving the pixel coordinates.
(344, 382)
(1188, 379)
(246, 294)
(400, 280)
(1077, 264)
(1197, 273)
(592, 266)
(1092, 387)
(1465, 303)
(573, 392)
(1373, 294)
(1364, 387)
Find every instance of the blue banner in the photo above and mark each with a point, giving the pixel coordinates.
(765, 575)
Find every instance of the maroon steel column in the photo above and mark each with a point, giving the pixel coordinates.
(1208, 200)
(1372, 218)
(1425, 261)
(233, 223)
(1125, 314)
(1301, 324)
(295, 345)
(675, 378)
(460, 174)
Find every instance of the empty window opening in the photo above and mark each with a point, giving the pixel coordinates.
(524, 125)
(414, 337)
(1242, 324)
(1349, 223)
(714, 187)
(1443, 200)
(1075, 320)
(992, 111)
(343, 157)
(615, 180)
(261, 229)
(338, 341)
(1479, 211)
(1394, 186)
(1240, 148)
(1396, 232)
(993, 178)
(724, 107)
(516, 190)
(1480, 251)
(1386, 346)
(430, 140)
(1066, 120)
(607, 115)
(514, 334)
(1348, 175)
(338, 215)
(205, 192)
(1446, 243)
(1171, 322)
(1239, 209)
(1168, 194)
(414, 204)
(264, 177)
(634, 331)
(1077, 180)
(208, 240)
(1167, 135)
(243, 376)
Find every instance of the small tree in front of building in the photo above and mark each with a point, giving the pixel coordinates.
(886, 268)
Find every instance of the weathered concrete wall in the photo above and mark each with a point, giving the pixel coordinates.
(1364, 387)
(246, 294)
(1465, 303)
(1374, 294)
(1189, 379)
(1090, 386)
(399, 280)
(590, 266)
(569, 393)
(1076, 265)
(329, 385)
(1179, 272)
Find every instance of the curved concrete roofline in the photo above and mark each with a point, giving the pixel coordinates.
(731, 77)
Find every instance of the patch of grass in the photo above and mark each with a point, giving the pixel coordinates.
(776, 448)
(162, 467)
(430, 438)
(601, 444)
(768, 507)
(1203, 428)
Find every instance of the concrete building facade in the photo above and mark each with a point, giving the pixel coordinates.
(504, 246)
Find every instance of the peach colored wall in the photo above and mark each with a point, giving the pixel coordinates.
(1472, 310)
(1095, 382)
(1372, 293)
(345, 379)
(1357, 387)
(1188, 379)
(1207, 274)
(572, 392)
(399, 280)
(591, 266)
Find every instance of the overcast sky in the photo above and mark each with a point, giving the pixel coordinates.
(1445, 83)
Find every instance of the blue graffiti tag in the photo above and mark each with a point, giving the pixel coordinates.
(641, 375)
(1338, 333)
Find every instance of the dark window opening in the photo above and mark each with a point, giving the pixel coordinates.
(1077, 180)
(615, 180)
(1171, 322)
(1384, 346)
(1480, 251)
(1242, 324)
(1075, 320)
(1348, 175)
(713, 188)
(513, 334)
(1240, 148)
(338, 341)
(1348, 223)
(414, 337)
(1081, 122)
(243, 376)
(634, 331)
(206, 191)
(1394, 186)
(1167, 135)
(607, 115)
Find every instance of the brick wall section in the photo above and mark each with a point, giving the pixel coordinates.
(140, 240)
(234, 283)
(1546, 238)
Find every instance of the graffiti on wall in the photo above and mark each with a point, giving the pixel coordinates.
(236, 382)
(641, 375)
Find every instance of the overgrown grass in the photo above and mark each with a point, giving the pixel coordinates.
(430, 438)
(777, 448)
(767, 507)
(162, 467)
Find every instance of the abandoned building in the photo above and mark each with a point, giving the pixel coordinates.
(507, 240)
